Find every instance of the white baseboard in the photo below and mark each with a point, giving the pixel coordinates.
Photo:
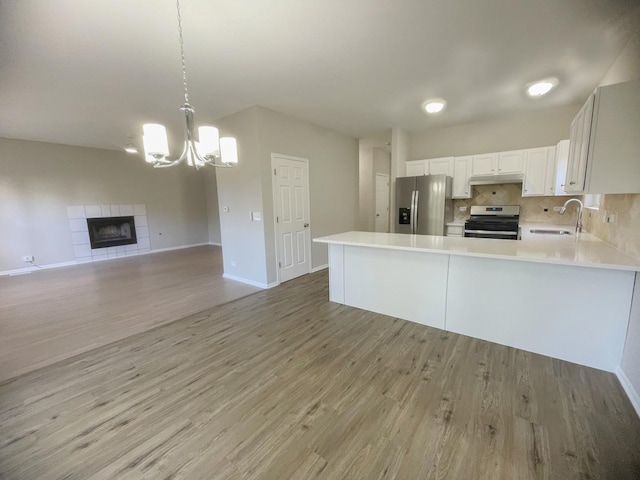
(22, 271)
(181, 247)
(250, 282)
(632, 393)
(320, 267)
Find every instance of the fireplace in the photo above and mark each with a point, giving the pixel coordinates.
(111, 231)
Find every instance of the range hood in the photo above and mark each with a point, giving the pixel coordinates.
(496, 179)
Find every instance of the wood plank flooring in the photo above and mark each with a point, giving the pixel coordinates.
(283, 384)
(54, 314)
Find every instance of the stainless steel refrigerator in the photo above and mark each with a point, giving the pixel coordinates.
(423, 204)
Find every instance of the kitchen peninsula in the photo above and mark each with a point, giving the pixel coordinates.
(568, 299)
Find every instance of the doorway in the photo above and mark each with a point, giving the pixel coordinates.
(291, 207)
(382, 202)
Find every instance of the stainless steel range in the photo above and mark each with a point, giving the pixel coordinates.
(493, 221)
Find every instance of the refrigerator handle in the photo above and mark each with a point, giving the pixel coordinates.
(415, 212)
(413, 195)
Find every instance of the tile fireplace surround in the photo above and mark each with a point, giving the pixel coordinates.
(83, 252)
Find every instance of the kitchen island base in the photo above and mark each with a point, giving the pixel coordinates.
(574, 313)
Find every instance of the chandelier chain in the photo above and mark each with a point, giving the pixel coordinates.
(184, 64)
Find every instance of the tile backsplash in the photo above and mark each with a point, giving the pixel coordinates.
(532, 209)
(624, 234)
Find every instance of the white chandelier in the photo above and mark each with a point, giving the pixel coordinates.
(205, 150)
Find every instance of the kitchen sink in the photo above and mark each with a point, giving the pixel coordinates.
(549, 231)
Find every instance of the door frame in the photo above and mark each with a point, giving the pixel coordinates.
(307, 206)
(375, 200)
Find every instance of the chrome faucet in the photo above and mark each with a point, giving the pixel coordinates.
(580, 207)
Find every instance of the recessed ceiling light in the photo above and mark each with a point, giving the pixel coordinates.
(130, 149)
(541, 87)
(435, 105)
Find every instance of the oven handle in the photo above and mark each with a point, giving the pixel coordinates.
(491, 232)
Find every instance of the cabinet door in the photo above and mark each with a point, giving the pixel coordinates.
(416, 168)
(550, 177)
(511, 162)
(461, 174)
(484, 164)
(562, 158)
(579, 148)
(439, 166)
(535, 173)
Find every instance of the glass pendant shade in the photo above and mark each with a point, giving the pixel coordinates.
(228, 150)
(155, 141)
(209, 145)
(208, 149)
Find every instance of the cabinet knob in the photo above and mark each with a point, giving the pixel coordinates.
(572, 183)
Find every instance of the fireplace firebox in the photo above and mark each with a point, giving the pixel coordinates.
(111, 231)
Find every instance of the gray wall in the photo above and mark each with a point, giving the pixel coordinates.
(371, 161)
(39, 180)
(240, 190)
(213, 214)
(525, 130)
(333, 179)
(333, 188)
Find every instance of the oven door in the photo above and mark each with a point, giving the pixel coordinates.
(506, 235)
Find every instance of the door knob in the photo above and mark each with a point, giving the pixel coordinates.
(306, 225)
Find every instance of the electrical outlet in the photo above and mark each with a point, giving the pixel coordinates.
(612, 218)
(463, 209)
(28, 258)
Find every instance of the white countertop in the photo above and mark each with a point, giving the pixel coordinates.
(582, 250)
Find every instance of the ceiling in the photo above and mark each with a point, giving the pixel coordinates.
(91, 73)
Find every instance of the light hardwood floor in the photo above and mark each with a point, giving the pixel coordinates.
(284, 384)
(54, 314)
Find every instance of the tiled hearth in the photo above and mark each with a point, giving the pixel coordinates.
(78, 215)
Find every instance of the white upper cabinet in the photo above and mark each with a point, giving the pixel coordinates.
(415, 168)
(579, 148)
(439, 166)
(511, 162)
(501, 163)
(562, 157)
(486, 164)
(461, 174)
(539, 176)
(432, 166)
(603, 152)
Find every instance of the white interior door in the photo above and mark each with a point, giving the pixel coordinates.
(291, 202)
(382, 202)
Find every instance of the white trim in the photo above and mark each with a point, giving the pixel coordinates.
(275, 209)
(249, 282)
(319, 267)
(180, 247)
(632, 393)
(22, 271)
(214, 243)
